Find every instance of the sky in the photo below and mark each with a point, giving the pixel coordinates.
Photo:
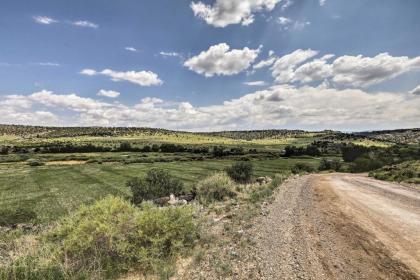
(207, 65)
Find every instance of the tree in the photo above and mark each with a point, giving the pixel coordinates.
(240, 172)
(157, 183)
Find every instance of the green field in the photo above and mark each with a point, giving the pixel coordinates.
(55, 190)
(69, 179)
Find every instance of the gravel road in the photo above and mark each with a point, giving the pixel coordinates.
(340, 226)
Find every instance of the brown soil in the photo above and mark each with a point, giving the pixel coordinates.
(340, 226)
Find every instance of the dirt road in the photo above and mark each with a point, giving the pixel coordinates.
(341, 226)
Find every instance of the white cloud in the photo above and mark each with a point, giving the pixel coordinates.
(88, 72)
(286, 4)
(255, 83)
(284, 67)
(170, 54)
(284, 20)
(266, 62)
(48, 64)
(416, 91)
(44, 20)
(225, 12)
(352, 71)
(220, 60)
(316, 70)
(322, 2)
(131, 49)
(363, 71)
(141, 78)
(85, 23)
(289, 24)
(280, 106)
(69, 101)
(108, 93)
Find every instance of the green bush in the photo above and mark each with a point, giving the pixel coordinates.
(107, 239)
(329, 164)
(35, 162)
(215, 188)
(262, 192)
(10, 217)
(240, 172)
(157, 183)
(365, 164)
(302, 167)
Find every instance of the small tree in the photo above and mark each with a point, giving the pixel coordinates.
(302, 167)
(157, 183)
(330, 164)
(125, 147)
(240, 172)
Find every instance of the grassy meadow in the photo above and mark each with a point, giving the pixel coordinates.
(55, 190)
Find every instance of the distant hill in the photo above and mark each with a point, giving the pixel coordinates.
(55, 132)
(406, 136)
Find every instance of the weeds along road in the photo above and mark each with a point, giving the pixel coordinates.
(341, 226)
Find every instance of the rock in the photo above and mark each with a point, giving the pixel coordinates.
(162, 201)
(188, 197)
(264, 180)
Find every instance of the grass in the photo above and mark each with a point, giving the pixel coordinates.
(55, 190)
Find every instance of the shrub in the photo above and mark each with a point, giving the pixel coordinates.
(330, 164)
(240, 172)
(125, 147)
(215, 188)
(157, 183)
(107, 239)
(365, 164)
(117, 237)
(19, 215)
(262, 192)
(35, 162)
(302, 167)
(351, 152)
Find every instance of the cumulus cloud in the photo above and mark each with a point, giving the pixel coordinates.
(225, 12)
(365, 71)
(255, 83)
(85, 23)
(416, 91)
(69, 101)
(322, 2)
(279, 106)
(44, 20)
(220, 60)
(352, 71)
(141, 78)
(267, 62)
(131, 49)
(108, 93)
(284, 67)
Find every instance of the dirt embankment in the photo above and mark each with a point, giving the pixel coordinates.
(341, 226)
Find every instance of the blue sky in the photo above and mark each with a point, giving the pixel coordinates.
(195, 65)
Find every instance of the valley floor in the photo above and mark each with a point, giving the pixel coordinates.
(340, 226)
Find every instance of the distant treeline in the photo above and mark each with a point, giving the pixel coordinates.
(257, 134)
(54, 132)
(216, 151)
